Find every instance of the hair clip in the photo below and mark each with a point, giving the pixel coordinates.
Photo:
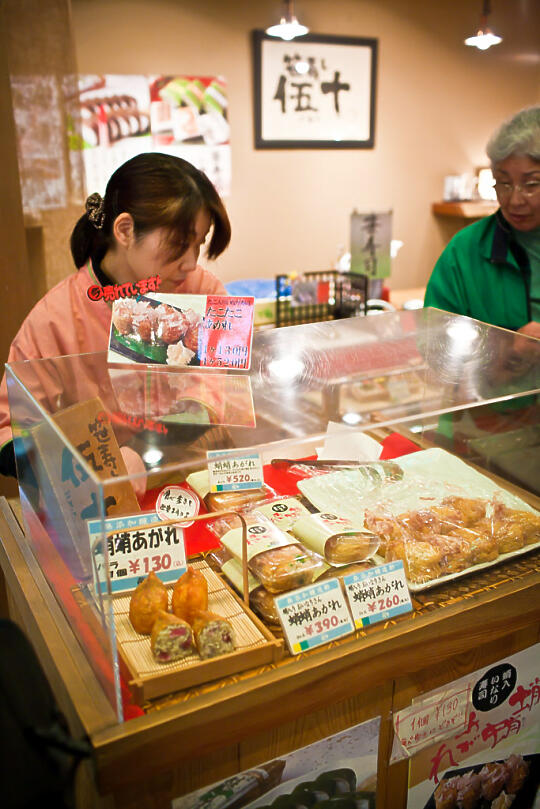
(95, 210)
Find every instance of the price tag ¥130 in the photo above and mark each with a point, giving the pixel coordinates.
(136, 545)
(232, 471)
(378, 594)
(314, 615)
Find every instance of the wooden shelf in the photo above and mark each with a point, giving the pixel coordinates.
(473, 209)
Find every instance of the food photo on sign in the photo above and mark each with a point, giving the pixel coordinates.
(476, 743)
(340, 770)
(180, 330)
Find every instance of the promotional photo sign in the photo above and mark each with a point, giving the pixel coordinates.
(146, 399)
(120, 116)
(210, 331)
(342, 766)
(479, 735)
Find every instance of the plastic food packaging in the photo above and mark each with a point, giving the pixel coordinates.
(284, 512)
(224, 501)
(260, 600)
(336, 538)
(450, 534)
(274, 557)
(332, 572)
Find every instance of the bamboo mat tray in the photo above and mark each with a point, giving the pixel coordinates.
(147, 679)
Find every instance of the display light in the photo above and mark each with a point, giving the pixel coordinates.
(288, 27)
(484, 37)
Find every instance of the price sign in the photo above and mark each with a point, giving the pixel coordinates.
(314, 615)
(139, 544)
(378, 594)
(231, 471)
(428, 720)
(175, 502)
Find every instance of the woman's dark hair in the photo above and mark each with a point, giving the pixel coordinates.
(158, 191)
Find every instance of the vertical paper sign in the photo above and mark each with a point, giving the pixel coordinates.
(314, 615)
(378, 594)
(371, 235)
(226, 333)
(139, 544)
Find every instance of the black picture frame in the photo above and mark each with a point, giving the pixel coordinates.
(278, 124)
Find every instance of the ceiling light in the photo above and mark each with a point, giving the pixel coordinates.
(484, 37)
(288, 27)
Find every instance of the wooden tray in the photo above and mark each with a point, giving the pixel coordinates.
(255, 645)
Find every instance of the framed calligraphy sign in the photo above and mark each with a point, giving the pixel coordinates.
(317, 92)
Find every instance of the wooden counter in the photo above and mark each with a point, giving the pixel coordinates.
(205, 734)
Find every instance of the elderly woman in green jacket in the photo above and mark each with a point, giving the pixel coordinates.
(491, 270)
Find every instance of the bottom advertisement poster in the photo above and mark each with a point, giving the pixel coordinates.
(336, 770)
(493, 760)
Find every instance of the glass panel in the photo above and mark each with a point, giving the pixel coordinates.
(441, 379)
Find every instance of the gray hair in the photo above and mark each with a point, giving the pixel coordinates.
(519, 135)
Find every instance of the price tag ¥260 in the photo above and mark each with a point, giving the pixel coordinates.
(378, 594)
(231, 471)
(313, 615)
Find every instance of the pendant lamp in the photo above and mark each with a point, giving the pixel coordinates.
(288, 27)
(484, 37)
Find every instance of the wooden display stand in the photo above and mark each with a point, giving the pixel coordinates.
(202, 735)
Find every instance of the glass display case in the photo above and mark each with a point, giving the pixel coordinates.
(96, 443)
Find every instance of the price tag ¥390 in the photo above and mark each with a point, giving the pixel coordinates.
(313, 615)
(231, 471)
(378, 594)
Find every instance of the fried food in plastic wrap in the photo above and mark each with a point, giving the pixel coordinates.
(148, 598)
(469, 509)
(190, 594)
(466, 531)
(421, 560)
(507, 533)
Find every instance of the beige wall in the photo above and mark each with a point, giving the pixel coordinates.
(437, 103)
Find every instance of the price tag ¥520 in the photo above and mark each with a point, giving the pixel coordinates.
(231, 471)
(313, 615)
(378, 594)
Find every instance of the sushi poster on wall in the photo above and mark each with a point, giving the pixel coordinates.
(339, 770)
(491, 758)
(121, 116)
(210, 331)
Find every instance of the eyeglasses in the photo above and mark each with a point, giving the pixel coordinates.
(507, 189)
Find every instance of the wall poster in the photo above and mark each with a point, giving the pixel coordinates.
(121, 116)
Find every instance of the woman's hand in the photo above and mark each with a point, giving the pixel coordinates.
(135, 466)
(531, 329)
